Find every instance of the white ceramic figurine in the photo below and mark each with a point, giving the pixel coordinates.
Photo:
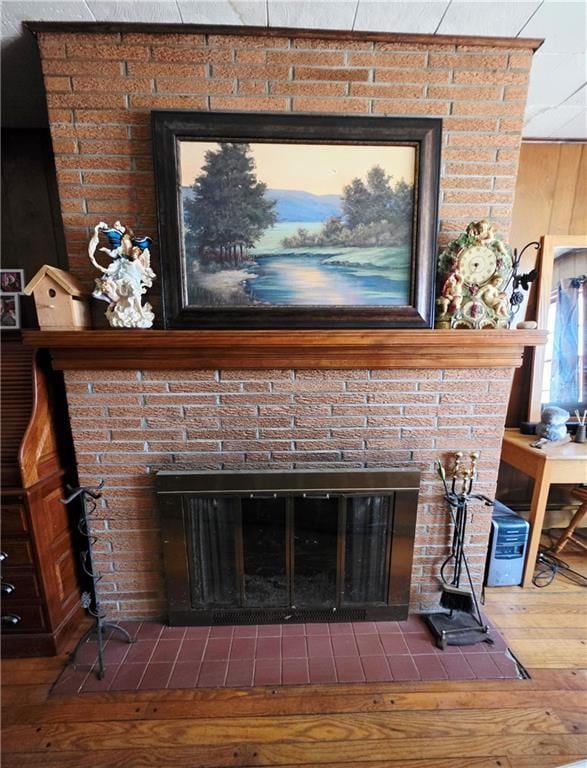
(126, 279)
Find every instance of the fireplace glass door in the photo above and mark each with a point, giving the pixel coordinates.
(287, 555)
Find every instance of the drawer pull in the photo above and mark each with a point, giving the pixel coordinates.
(7, 588)
(3, 556)
(11, 619)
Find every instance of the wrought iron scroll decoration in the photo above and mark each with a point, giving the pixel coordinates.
(90, 600)
(523, 281)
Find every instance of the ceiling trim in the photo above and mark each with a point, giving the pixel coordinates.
(326, 34)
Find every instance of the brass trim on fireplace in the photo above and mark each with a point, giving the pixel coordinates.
(175, 489)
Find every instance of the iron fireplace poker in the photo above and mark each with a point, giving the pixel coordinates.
(462, 622)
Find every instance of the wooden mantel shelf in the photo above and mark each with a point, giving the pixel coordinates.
(181, 349)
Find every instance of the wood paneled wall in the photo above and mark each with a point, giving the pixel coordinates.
(551, 199)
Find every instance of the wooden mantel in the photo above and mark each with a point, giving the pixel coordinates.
(181, 349)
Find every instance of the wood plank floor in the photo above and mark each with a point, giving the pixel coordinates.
(537, 723)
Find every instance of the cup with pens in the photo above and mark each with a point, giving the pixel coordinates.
(581, 426)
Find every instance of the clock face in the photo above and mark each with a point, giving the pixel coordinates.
(477, 264)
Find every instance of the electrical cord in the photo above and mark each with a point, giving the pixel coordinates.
(548, 566)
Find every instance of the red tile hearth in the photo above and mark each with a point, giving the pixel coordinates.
(298, 654)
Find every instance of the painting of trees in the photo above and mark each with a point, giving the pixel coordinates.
(227, 211)
(375, 212)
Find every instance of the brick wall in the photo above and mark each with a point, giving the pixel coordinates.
(101, 89)
(128, 424)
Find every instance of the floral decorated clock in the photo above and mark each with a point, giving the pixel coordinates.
(472, 272)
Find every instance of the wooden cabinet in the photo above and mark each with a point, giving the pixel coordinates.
(40, 593)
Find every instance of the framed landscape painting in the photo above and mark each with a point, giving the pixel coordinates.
(273, 221)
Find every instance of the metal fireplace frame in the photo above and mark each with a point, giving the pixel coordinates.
(173, 487)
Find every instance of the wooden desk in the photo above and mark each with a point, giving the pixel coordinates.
(551, 464)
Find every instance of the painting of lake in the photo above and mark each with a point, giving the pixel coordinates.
(268, 224)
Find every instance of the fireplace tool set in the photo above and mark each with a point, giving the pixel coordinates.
(462, 623)
(91, 600)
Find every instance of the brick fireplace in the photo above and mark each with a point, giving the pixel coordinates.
(394, 412)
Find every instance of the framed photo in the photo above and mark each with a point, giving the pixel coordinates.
(11, 280)
(294, 221)
(9, 311)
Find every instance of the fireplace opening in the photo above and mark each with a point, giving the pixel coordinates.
(273, 547)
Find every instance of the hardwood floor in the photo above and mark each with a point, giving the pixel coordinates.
(537, 723)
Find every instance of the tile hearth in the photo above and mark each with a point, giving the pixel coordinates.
(276, 654)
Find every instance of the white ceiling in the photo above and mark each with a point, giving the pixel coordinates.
(557, 99)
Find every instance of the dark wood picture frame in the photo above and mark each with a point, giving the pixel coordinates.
(169, 128)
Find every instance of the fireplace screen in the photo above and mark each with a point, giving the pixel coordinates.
(293, 546)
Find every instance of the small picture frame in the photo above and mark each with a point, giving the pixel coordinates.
(9, 311)
(11, 281)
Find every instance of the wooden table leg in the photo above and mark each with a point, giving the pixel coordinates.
(537, 512)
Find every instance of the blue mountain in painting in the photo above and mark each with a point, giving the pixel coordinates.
(294, 205)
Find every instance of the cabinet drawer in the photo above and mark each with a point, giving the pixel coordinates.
(27, 618)
(14, 519)
(18, 584)
(17, 552)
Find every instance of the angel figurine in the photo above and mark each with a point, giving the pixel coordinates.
(126, 279)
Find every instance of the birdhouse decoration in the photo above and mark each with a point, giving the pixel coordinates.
(60, 300)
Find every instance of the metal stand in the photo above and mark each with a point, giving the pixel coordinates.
(90, 600)
(459, 627)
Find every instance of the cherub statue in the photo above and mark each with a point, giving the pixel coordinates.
(451, 295)
(495, 299)
(127, 277)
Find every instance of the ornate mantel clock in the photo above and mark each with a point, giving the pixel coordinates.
(473, 271)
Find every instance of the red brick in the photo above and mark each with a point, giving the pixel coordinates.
(462, 108)
(248, 41)
(50, 49)
(64, 146)
(161, 69)
(387, 91)
(474, 61)
(70, 67)
(456, 92)
(474, 169)
(471, 183)
(194, 85)
(470, 124)
(250, 72)
(424, 76)
(249, 103)
(112, 84)
(317, 73)
(330, 105)
(514, 126)
(59, 115)
(253, 88)
(307, 58)
(167, 38)
(515, 93)
(251, 57)
(93, 162)
(168, 102)
(57, 84)
(469, 155)
(476, 197)
(116, 52)
(320, 89)
(416, 107)
(490, 78)
(109, 116)
(193, 55)
(348, 44)
(386, 59)
(521, 60)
